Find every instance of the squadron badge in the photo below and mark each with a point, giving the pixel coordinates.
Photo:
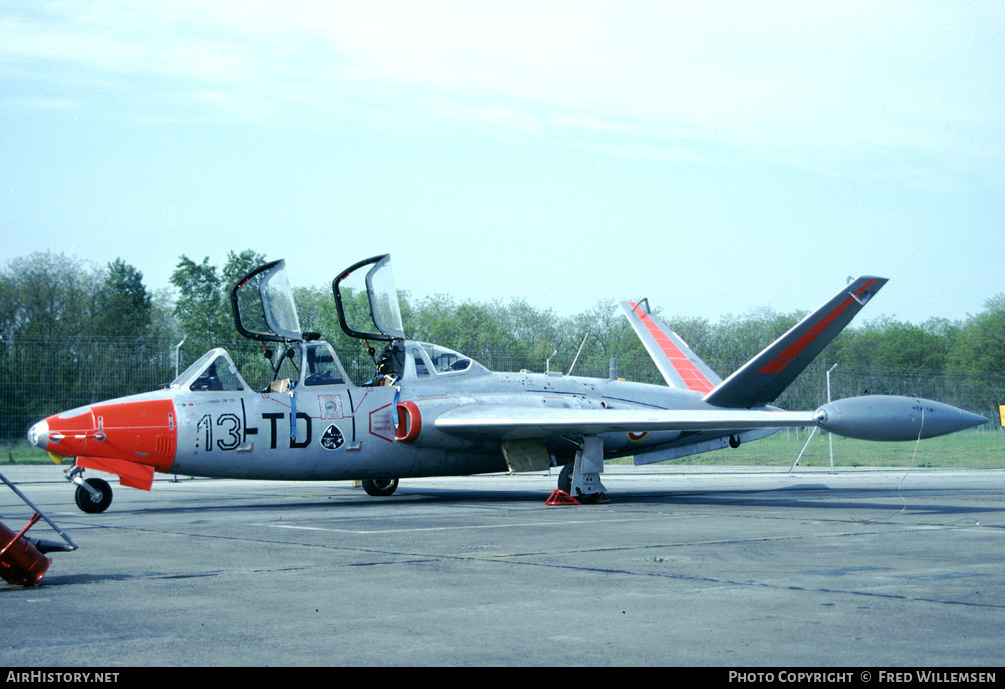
(332, 438)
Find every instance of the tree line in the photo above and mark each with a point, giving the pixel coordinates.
(54, 296)
(63, 305)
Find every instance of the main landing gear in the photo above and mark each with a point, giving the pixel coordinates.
(579, 481)
(381, 487)
(565, 478)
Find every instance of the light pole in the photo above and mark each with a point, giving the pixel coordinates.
(830, 436)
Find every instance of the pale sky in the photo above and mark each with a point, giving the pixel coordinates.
(715, 157)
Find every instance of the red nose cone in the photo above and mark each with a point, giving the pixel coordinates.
(139, 431)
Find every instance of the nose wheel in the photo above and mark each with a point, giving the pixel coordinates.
(93, 495)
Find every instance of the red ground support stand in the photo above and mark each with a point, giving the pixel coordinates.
(20, 561)
(560, 497)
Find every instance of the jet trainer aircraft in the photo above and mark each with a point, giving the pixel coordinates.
(431, 411)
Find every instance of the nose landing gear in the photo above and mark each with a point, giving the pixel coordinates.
(93, 495)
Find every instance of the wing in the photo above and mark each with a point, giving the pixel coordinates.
(500, 422)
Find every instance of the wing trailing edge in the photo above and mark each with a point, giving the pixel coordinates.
(762, 379)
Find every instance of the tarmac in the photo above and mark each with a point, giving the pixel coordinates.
(686, 566)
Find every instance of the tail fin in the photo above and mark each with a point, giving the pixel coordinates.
(763, 378)
(681, 368)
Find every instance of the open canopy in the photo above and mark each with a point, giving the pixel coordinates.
(367, 300)
(263, 305)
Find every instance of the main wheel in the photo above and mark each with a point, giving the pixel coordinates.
(87, 502)
(565, 477)
(381, 487)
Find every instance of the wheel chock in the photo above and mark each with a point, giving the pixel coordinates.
(560, 497)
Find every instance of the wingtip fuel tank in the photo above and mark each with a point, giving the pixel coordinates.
(893, 418)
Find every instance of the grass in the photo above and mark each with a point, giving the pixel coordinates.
(976, 449)
(22, 453)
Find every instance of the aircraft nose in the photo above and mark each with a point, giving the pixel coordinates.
(38, 435)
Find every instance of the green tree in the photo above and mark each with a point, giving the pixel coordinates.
(163, 322)
(237, 266)
(740, 339)
(8, 306)
(203, 305)
(536, 334)
(317, 312)
(467, 327)
(48, 296)
(123, 306)
(980, 342)
(200, 308)
(891, 344)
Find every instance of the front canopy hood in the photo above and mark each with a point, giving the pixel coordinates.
(263, 305)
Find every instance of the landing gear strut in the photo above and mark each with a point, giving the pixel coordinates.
(579, 481)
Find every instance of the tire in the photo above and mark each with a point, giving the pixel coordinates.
(381, 487)
(565, 477)
(87, 503)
